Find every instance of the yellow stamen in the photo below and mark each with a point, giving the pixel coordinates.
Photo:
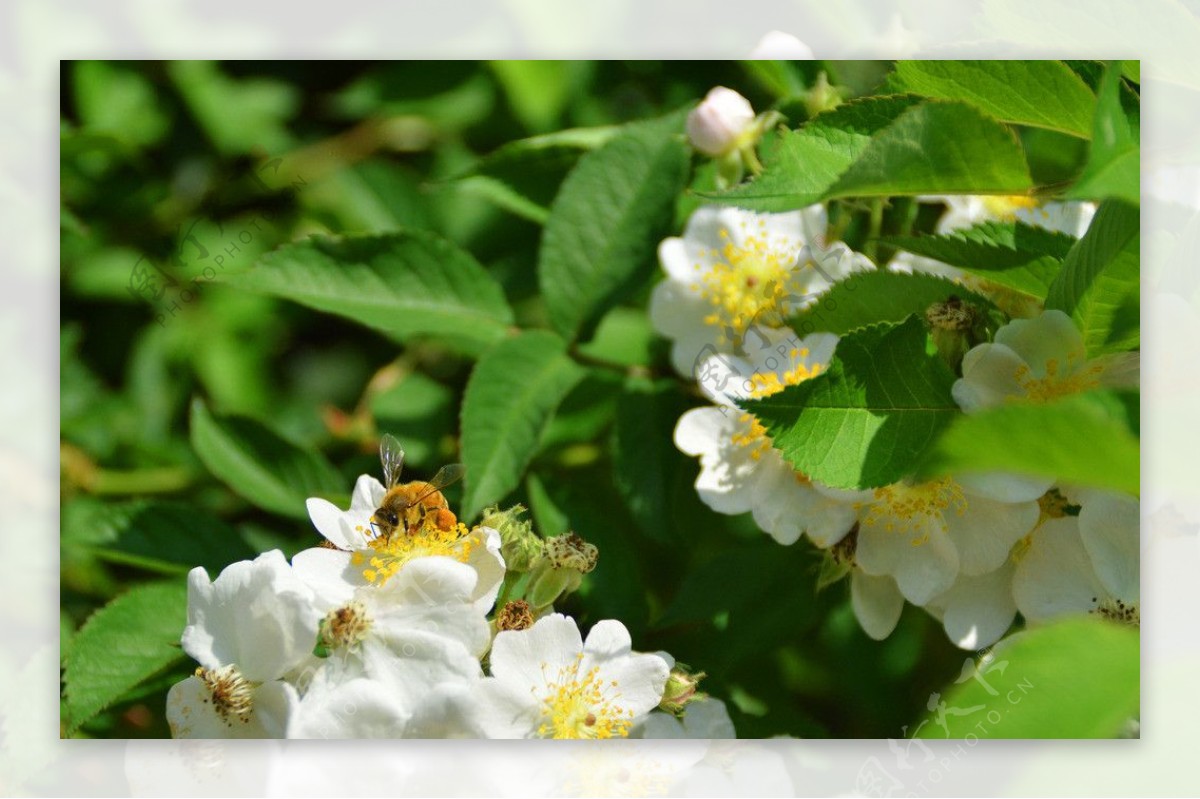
(1057, 381)
(580, 705)
(910, 509)
(1006, 206)
(748, 284)
(389, 553)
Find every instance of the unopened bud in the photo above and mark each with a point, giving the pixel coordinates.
(515, 615)
(572, 552)
(822, 96)
(560, 571)
(954, 326)
(680, 691)
(519, 545)
(716, 127)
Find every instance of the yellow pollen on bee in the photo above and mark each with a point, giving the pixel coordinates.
(387, 554)
(581, 705)
(747, 284)
(909, 509)
(1057, 382)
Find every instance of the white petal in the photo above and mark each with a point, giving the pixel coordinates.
(725, 482)
(987, 531)
(1004, 487)
(368, 494)
(677, 310)
(606, 640)
(1055, 577)
(357, 708)
(329, 574)
(256, 614)
(329, 521)
(704, 719)
(448, 711)
(191, 713)
(922, 570)
(431, 594)
(680, 260)
(525, 658)
(1037, 341)
(488, 563)
(1109, 526)
(636, 681)
(989, 377)
(877, 603)
(978, 610)
(505, 711)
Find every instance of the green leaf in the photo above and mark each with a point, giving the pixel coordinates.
(111, 98)
(806, 162)
(419, 411)
(1083, 439)
(404, 284)
(239, 116)
(1099, 284)
(1113, 167)
(1044, 94)
(1076, 678)
(259, 464)
(169, 537)
(865, 298)
(510, 397)
(938, 147)
(123, 644)
(644, 452)
(539, 91)
(867, 420)
(1021, 257)
(607, 219)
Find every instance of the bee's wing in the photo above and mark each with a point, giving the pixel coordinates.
(391, 455)
(446, 475)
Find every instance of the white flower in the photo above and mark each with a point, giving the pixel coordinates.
(1084, 564)
(247, 629)
(926, 534)
(739, 469)
(964, 211)
(704, 718)
(547, 683)
(1038, 360)
(735, 276)
(721, 122)
(397, 655)
(363, 558)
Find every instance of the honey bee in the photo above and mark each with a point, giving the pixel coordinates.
(408, 506)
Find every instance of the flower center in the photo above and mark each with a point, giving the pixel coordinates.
(911, 508)
(346, 626)
(1007, 206)
(748, 284)
(1057, 382)
(387, 554)
(580, 705)
(232, 694)
(1116, 610)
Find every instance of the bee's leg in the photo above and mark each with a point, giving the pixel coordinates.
(445, 519)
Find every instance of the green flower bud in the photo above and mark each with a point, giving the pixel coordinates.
(681, 690)
(566, 558)
(955, 327)
(519, 544)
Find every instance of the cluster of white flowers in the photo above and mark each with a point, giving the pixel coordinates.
(972, 550)
(376, 636)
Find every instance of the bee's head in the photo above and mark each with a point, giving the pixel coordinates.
(387, 516)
